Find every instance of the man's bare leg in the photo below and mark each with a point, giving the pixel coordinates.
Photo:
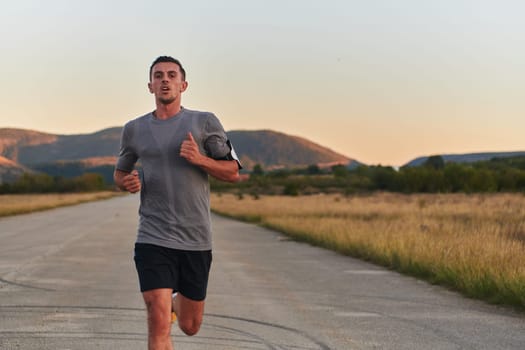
(189, 313)
(158, 305)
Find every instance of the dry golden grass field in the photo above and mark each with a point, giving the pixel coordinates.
(26, 203)
(472, 243)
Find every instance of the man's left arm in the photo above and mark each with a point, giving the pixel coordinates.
(224, 170)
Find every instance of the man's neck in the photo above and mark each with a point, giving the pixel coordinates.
(166, 111)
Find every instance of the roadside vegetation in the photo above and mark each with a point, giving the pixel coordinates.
(473, 243)
(14, 204)
(36, 192)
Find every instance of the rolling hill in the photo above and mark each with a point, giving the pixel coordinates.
(274, 149)
(10, 170)
(102, 144)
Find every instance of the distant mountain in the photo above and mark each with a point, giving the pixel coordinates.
(71, 154)
(273, 149)
(13, 140)
(466, 158)
(104, 143)
(10, 170)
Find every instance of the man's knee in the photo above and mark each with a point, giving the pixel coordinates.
(189, 314)
(190, 326)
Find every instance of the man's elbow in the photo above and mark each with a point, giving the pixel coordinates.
(232, 178)
(233, 173)
(236, 177)
(117, 179)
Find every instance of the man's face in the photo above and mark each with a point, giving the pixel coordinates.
(166, 82)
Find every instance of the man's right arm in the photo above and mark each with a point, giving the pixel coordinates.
(127, 179)
(129, 182)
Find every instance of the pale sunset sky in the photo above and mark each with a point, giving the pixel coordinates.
(380, 81)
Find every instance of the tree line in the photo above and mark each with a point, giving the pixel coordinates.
(434, 176)
(44, 183)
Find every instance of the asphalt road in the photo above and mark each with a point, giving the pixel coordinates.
(67, 281)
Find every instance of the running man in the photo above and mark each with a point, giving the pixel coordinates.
(177, 148)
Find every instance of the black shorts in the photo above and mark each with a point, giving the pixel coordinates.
(184, 271)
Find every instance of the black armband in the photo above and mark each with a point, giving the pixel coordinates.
(231, 155)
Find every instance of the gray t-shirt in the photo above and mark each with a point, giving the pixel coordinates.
(174, 200)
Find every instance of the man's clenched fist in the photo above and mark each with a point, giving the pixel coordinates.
(189, 150)
(131, 182)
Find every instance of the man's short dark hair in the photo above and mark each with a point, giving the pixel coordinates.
(167, 59)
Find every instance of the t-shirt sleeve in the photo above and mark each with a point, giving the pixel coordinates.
(127, 156)
(216, 143)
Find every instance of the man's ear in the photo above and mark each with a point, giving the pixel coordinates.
(184, 86)
(149, 88)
